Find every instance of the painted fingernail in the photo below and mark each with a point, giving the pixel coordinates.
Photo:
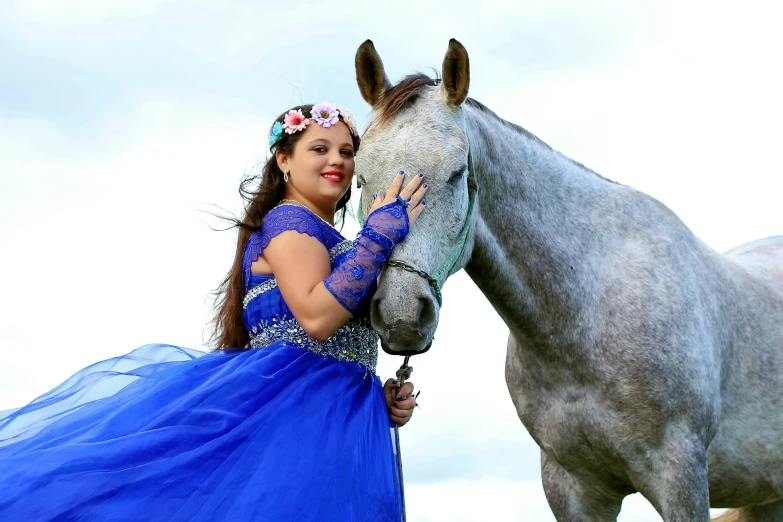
(425, 185)
(375, 196)
(399, 397)
(421, 175)
(423, 202)
(402, 172)
(395, 381)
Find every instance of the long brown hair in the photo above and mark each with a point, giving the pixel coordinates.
(261, 194)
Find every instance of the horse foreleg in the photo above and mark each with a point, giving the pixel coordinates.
(573, 501)
(674, 478)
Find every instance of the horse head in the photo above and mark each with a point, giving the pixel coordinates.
(418, 126)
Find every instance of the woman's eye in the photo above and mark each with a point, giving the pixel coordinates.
(320, 149)
(347, 153)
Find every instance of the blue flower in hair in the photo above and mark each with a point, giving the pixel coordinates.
(277, 131)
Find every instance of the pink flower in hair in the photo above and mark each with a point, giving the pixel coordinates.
(295, 121)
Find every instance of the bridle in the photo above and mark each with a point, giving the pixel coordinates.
(446, 269)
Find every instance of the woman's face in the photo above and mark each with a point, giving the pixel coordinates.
(321, 166)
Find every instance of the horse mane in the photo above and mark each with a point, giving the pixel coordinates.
(527, 134)
(402, 95)
(407, 91)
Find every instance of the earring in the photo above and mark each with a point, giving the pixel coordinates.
(285, 176)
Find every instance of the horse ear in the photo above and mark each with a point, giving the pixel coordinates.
(456, 73)
(370, 75)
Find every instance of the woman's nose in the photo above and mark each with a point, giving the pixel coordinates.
(336, 159)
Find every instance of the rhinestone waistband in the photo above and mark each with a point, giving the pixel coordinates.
(254, 292)
(355, 341)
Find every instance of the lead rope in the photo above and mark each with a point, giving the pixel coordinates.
(447, 268)
(403, 374)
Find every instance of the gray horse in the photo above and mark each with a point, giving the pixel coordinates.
(639, 359)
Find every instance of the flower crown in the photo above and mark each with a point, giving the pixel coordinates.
(324, 114)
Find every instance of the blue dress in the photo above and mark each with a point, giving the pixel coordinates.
(290, 429)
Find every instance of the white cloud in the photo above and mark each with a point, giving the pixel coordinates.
(110, 251)
(82, 12)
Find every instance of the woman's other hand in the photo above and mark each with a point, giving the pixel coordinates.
(400, 401)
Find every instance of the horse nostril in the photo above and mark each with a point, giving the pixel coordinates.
(426, 315)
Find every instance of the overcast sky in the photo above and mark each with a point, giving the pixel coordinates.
(122, 121)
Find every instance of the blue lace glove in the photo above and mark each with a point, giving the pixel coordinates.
(350, 281)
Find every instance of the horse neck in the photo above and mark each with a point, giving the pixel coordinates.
(543, 228)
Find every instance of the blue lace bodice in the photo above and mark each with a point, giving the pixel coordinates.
(266, 315)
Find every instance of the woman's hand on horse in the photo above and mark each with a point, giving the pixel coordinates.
(400, 401)
(413, 192)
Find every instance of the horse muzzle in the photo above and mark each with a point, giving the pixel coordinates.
(405, 317)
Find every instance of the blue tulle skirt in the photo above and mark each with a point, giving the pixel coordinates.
(166, 433)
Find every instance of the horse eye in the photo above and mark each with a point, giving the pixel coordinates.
(457, 174)
(360, 181)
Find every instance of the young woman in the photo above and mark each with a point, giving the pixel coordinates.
(286, 420)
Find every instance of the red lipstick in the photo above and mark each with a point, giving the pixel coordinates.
(335, 176)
